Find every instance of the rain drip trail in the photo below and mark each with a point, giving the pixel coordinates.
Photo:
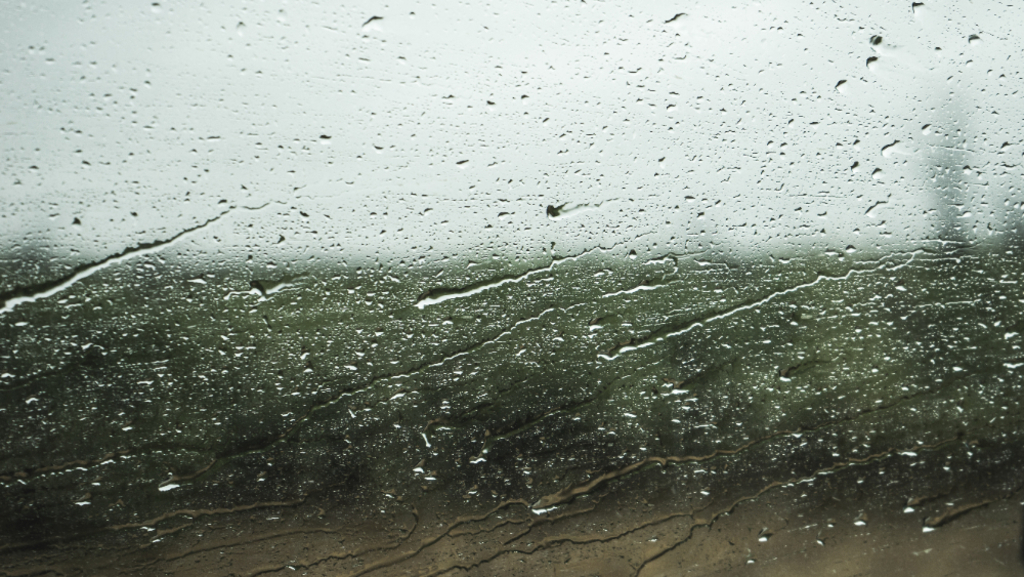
(31, 294)
(443, 295)
(569, 209)
(440, 295)
(658, 337)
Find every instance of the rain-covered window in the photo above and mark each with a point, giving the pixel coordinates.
(540, 288)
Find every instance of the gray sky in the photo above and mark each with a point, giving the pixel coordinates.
(774, 128)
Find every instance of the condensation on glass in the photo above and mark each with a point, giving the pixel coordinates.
(568, 288)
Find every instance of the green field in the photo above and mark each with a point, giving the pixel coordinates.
(159, 406)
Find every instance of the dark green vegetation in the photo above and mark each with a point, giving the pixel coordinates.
(269, 405)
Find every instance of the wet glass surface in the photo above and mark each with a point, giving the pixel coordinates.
(570, 289)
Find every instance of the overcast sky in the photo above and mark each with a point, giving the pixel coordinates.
(415, 132)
